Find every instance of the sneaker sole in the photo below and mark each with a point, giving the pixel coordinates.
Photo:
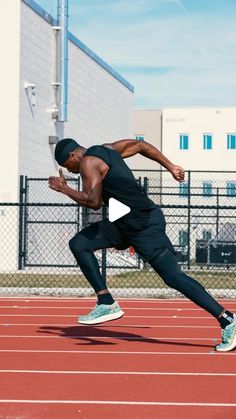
(102, 319)
(227, 348)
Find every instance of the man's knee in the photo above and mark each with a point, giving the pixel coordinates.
(78, 244)
(166, 265)
(173, 281)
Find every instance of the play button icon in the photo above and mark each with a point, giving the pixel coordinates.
(117, 209)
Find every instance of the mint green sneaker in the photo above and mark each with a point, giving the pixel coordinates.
(102, 313)
(228, 337)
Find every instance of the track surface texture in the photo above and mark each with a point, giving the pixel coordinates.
(158, 361)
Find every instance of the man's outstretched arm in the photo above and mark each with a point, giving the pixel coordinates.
(128, 148)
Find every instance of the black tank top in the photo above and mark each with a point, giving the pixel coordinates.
(119, 182)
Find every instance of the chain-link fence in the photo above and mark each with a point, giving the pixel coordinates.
(201, 223)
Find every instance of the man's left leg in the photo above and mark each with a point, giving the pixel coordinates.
(83, 246)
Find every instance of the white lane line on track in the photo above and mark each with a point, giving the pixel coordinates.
(22, 307)
(138, 338)
(191, 374)
(128, 300)
(133, 317)
(117, 402)
(113, 326)
(93, 298)
(89, 352)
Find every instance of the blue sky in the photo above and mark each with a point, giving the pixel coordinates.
(174, 52)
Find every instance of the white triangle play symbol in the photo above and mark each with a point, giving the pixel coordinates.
(117, 209)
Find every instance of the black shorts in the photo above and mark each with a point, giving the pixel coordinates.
(145, 231)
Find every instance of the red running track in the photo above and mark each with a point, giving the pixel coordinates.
(158, 361)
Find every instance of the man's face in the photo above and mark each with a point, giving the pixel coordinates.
(72, 163)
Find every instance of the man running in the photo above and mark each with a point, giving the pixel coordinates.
(105, 175)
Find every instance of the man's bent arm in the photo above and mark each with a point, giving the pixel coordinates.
(82, 198)
(91, 196)
(128, 148)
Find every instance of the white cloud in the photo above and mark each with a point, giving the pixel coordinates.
(177, 42)
(198, 48)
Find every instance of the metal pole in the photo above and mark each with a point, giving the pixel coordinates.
(63, 23)
(78, 207)
(189, 217)
(21, 223)
(104, 251)
(217, 212)
(145, 184)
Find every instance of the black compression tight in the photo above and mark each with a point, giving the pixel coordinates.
(83, 246)
(167, 267)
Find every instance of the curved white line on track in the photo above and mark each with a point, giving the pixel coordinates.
(117, 402)
(113, 326)
(26, 307)
(204, 374)
(141, 338)
(38, 351)
(126, 316)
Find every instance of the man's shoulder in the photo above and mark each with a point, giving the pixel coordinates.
(100, 150)
(91, 148)
(88, 165)
(93, 155)
(96, 148)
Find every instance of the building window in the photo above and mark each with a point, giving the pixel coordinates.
(183, 238)
(207, 141)
(231, 188)
(139, 137)
(207, 188)
(183, 189)
(231, 141)
(206, 235)
(183, 141)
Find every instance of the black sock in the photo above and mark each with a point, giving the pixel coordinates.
(226, 318)
(105, 299)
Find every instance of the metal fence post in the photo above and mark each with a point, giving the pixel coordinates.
(21, 252)
(104, 251)
(217, 212)
(78, 207)
(189, 218)
(145, 185)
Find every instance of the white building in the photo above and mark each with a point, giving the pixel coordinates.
(200, 138)
(100, 101)
(100, 104)
(203, 141)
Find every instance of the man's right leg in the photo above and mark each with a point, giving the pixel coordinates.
(83, 246)
(165, 264)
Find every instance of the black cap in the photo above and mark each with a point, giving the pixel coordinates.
(63, 149)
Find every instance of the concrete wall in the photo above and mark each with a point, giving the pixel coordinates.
(9, 104)
(37, 66)
(9, 111)
(100, 107)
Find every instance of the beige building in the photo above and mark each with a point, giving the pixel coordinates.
(147, 126)
(200, 138)
(203, 141)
